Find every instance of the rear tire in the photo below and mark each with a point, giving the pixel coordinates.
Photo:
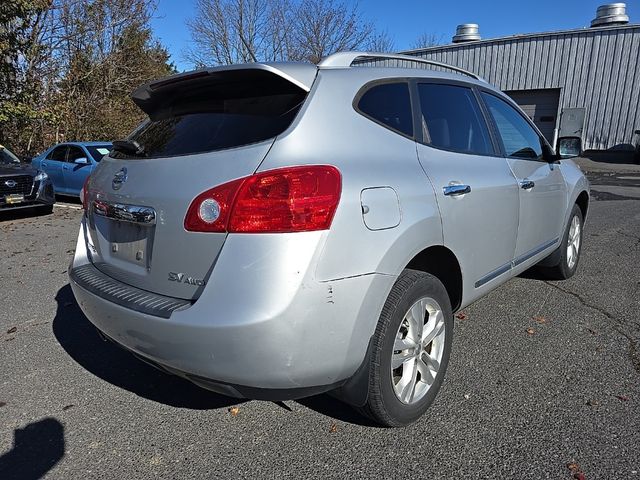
(411, 348)
(570, 248)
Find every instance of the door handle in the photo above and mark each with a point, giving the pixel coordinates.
(527, 184)
(455, 190)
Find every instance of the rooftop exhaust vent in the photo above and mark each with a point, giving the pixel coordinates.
(611, 14)
(466, 32)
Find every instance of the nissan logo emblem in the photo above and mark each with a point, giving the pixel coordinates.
(119, 178)
(11, 183)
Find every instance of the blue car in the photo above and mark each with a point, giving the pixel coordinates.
(69, 164)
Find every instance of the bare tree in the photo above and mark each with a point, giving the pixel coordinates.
(237, 31)
(232, 31)
(324, 27)
(426, 40)
(380, 42)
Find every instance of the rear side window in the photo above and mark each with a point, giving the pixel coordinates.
(214, 112)
(518, 138)
(75, 153)
(452, 119)
(99, 151)
(58, 154)
(390, 105)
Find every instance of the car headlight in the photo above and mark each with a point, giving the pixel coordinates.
(41, 176)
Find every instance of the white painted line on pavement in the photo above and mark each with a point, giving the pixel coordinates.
(72, 207)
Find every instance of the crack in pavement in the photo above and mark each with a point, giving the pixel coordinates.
(634, 354)
(631, 236)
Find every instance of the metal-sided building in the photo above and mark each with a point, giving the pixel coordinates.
(583, 82)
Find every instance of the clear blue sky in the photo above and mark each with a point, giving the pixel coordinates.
(405, 20)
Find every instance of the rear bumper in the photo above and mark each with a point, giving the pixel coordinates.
(253, 332)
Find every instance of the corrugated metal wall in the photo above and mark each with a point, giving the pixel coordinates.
(598, 69)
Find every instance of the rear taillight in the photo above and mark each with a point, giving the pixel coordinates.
(293, 199)
(83, 193)
(201, 214)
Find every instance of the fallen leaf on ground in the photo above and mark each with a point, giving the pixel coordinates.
(12, 330)
(540, 319)
(592, 332)
(622, 398)
(576, 472)
(234, 411)
(593, 403)
(573, 466)
(333, 428)
(467, 396)
(67, 407)
(530, 331)
(2, 404)
(461, 316)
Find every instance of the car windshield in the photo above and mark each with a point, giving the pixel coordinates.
(99, 151)
(7, 158)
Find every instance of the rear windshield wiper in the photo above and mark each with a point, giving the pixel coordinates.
(129, 147)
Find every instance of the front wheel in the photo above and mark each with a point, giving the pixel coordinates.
(570, 248)
(411, 348)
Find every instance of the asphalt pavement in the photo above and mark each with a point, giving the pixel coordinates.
(544, 381)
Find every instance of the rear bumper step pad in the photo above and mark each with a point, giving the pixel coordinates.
(94, 281)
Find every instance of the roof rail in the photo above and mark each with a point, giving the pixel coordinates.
(346, 59)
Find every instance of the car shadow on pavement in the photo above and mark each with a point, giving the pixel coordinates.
(36, 450)
(329, 406)
(21, 213)
(537, 273)
(115, 365)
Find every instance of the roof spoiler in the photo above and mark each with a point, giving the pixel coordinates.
(153, 96)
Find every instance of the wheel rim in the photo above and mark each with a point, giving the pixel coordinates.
(417, 350)
(573, 242)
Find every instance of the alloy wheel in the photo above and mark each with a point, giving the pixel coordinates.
(573, 242)
(417, 351)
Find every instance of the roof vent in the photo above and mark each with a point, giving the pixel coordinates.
(611, 14)
(466, 32)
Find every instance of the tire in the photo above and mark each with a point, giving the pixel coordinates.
(568, 262)
(388, 403)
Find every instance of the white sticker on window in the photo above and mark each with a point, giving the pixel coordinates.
(102, 151)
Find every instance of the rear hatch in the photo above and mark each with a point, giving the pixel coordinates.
(204, 129)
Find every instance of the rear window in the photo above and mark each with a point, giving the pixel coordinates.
(390, 105)
(99, 151)
(215, 112)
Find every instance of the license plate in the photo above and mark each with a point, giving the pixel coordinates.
(129, 242)
(14, 198)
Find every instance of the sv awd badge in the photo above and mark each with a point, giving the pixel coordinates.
(182, 278)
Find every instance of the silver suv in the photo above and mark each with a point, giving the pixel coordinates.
(274, 231)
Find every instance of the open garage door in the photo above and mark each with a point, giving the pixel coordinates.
(541, 106)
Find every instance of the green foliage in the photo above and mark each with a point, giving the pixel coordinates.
(71, 67)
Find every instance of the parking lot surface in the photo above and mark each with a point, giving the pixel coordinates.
(544, 381)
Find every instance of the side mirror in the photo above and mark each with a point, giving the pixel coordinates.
(81, 161)
(569, 147)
